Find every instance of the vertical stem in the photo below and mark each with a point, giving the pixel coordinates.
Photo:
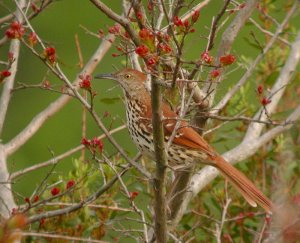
(6, 197)
(161, 164)
(83, 132)
(7, 202)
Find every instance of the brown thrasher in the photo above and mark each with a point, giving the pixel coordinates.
(187, 146)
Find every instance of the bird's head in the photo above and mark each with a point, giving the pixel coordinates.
(131, 80)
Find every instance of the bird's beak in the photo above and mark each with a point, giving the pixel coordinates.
(105, 76)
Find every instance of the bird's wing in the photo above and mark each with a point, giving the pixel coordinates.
(185, 135)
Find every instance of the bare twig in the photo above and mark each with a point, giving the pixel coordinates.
(246, 119)
(118, 18)
(77, 206)
(214, 26)
(114, 208)
(219, 227)
(58, 158)
(244, 150)
(55, 106)
(277, 90)
(228, 37)
(62, 237)
(250, 70)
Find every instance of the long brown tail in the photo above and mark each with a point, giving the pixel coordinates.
(249, 191)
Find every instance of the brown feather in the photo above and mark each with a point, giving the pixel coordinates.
(250, 192)
(187, 146)
(191, 139)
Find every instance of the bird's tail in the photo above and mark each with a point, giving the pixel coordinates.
(249, 191)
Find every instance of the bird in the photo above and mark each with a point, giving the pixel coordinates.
(188, 147)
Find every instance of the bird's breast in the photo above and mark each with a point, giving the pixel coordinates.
(140, 130)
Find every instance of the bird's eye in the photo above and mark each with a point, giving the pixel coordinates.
(127, 76)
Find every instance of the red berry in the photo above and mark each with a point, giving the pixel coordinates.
(32, 39)
(55, 191)
(215, 73)
(5, 73)
(227, 59)
(27, 200)
(70, 184)
(206, 57)
(15, 31)
(195, 16)
(151, 61)
(96, 142)
(114, 29)
(52, 59)
(85, 142)
(177, 22)
(49, 51)
(260, 89)
(10, 33)
(165, 48)
(142, 50)
(186, 23)
(133, 195)
(265, 101)
(36, 198)
(86, 82)
(146, 34)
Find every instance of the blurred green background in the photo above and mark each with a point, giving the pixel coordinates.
(58, 26)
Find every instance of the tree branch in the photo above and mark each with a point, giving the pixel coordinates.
(228, 37)
(160, 206)
(55, 106)
(241, 152)
(77, 206)
(277, 91)
(58, 158)
(118, 18)
(62, 237)
(250, 70)
(5, 190)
